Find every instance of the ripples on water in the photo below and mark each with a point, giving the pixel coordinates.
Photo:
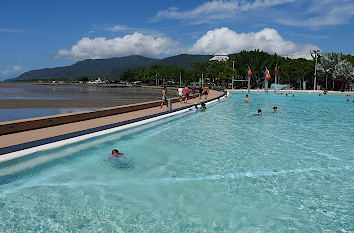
(221, 170)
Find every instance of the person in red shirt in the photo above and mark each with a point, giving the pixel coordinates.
(186, 94)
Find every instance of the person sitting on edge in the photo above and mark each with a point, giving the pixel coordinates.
(246, 99)
(115, 154)
(259, 112)
(202, 107)
(275, 109)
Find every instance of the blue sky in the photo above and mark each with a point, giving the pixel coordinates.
(38, 34)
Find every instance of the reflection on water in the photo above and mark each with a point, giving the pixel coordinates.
(85, 93)
(23, 113)
(77, 92)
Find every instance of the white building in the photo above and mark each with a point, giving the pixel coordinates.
(220, 56)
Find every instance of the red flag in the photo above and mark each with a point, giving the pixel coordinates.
(267, 74)
(249, 71)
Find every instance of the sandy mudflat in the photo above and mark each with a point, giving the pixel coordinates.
(43, 103)
(26, 95)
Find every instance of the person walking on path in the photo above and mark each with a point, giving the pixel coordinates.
(194, 89)
(200, 89)
(206, 91)
(186, 94)
(180, 94)
(164, 97)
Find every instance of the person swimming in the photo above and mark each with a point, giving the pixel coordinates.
(259, 112)
(116, 155)
(202, 107)
(275, 109)
(246, 99)
(194, 108)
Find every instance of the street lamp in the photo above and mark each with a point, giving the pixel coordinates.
(315, 54)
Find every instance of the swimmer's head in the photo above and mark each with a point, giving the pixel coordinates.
(259, 111)
(115, 152)
(247, 96)
(275, 109)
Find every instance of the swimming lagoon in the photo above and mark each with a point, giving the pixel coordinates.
(222, 170)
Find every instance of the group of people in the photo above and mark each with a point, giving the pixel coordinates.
(259, 112)
(184, 94)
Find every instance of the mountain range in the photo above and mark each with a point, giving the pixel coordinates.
(110, 68)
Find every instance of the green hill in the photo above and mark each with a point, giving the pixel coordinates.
(110, 68)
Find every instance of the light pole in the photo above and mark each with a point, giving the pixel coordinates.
(315, 54)
(180, 78)
(233, 67)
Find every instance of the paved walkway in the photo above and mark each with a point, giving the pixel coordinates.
(38, 134)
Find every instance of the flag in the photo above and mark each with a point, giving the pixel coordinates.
(267, 74)
(249, 71)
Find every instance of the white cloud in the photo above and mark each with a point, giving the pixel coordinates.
(10, 30)
(132, 44)
(217, 10)
(320, 14)
(304, 13)
(268, 40)
(12, 71)
(117, 28)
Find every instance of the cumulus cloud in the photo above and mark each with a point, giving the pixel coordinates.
(132, 44)
(12, 71)
(268, 40)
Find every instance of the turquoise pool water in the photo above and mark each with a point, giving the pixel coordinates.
(222, 170)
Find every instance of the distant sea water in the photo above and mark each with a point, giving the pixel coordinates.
(82, 93)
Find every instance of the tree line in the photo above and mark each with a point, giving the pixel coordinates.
(332, 68)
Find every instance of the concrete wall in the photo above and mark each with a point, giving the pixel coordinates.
(41, 122)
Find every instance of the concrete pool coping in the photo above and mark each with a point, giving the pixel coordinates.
(31, 141)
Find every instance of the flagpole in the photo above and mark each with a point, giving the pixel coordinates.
(249, 79)
(266, 81)
(276, 74)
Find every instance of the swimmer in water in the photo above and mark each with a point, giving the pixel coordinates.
(202, 107)
(275, 109)
(246, 99)
(259, 112)
(194, 108)
(293, 96)
(286, 94)
(115, 154)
